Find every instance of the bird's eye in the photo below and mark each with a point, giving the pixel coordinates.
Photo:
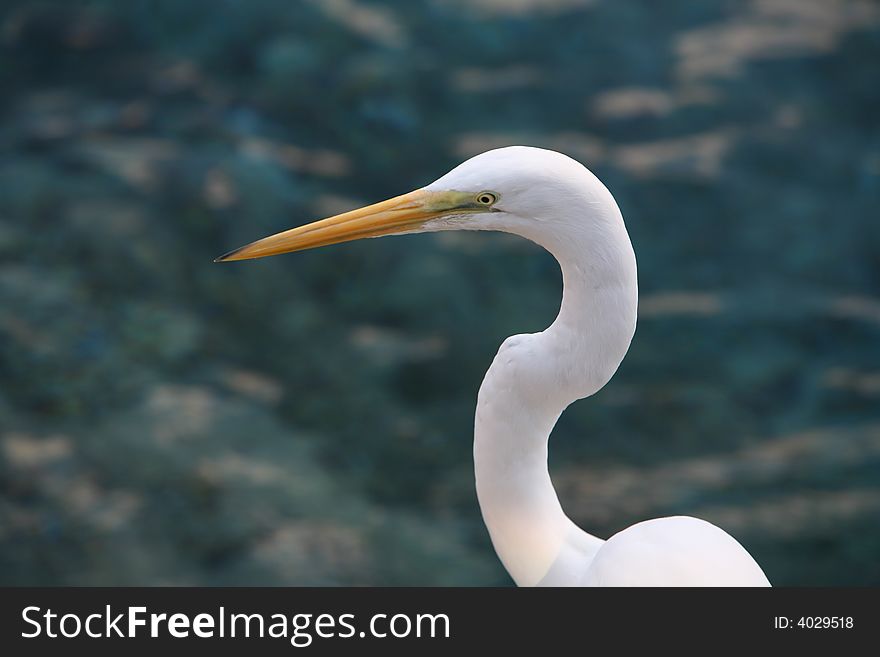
(486, 198)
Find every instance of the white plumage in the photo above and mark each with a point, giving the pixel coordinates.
(556, 202)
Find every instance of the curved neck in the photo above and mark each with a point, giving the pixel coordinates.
(531, 381)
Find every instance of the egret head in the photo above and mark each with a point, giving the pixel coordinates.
(519, 189)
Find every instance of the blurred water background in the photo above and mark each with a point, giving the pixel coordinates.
(307, 419)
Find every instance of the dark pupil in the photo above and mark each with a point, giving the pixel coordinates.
(485, 198)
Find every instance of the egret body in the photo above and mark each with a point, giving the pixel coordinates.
(554, 201)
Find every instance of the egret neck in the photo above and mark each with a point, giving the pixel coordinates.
(556, 202)
(531, 381)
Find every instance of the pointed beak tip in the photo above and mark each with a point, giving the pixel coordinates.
(227, 256)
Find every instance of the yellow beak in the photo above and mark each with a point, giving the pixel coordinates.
(399, 214)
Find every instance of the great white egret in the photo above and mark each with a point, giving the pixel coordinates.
(556, 202)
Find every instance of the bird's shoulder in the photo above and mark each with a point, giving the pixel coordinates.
(674, 551)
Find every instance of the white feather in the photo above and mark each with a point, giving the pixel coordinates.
(556, 202)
